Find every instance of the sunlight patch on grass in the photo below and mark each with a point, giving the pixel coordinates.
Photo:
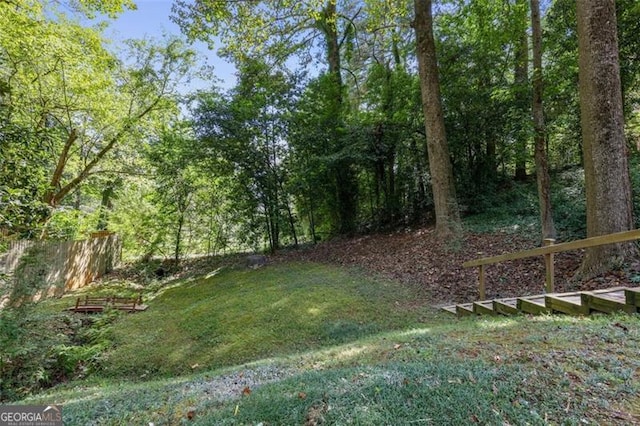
(495, 325)
(415, 332)
(213, 273)
(351, 352)
(314, 311)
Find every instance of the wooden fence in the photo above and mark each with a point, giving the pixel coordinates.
(56, 267)
(547, 251)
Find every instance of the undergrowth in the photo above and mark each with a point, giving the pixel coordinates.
(514, 207)
(41, 349)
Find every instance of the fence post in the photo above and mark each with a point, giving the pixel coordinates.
(549, 266)
(481, 284)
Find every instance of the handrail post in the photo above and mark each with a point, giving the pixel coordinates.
(481, 284)
(549, 266)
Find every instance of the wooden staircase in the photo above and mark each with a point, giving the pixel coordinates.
(624, 299)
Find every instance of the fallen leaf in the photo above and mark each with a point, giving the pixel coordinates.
(419, 256)
(246, 391)
(397, 346)
(302, 395)
(191, 414)
(474, 418)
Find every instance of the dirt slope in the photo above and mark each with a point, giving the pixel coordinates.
(417, 258)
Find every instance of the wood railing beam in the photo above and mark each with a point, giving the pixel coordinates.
(547, 251)
(618, 237)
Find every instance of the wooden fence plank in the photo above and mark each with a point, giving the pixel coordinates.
(63, 265)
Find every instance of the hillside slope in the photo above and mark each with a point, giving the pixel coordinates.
(417, 258)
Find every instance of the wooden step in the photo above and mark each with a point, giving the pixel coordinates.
(483, 308)
(573, 303)
(567, 303)
(608, 301)
(632, 296)
(533, 305)
(506, 306)
(464, 309)
(451, 309)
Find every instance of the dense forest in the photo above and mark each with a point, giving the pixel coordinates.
(347, 117)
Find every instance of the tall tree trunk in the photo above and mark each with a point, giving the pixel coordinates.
(267, 224)
(333, 44)
(389, 144)
(542, 168)
(292, 224)
(312, 220)
(522, 99)
(287, 205)
(342, 170)
(176, 251)
(607, 183)
(444, 193)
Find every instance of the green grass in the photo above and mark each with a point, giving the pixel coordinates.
(238, 316)
(325, 344)
(545, 370)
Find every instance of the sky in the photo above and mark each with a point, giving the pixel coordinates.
(151, 19)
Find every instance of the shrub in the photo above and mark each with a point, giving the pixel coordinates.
(38, 350)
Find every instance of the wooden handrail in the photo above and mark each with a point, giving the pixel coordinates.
(548, 251)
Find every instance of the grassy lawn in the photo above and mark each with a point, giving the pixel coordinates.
(238, 316)
(306, 344)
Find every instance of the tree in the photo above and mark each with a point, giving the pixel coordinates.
(246, 132)
(275, 30)
(20, 185)
(58, 80)
(176, 177)
(608, 188)
(542, 168)
(147, 88)
(521, 77)
(476, 42)
(444, 195)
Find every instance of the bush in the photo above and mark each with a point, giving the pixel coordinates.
(39, 350)
(512, 205)
(515, 206)
(569, 204)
